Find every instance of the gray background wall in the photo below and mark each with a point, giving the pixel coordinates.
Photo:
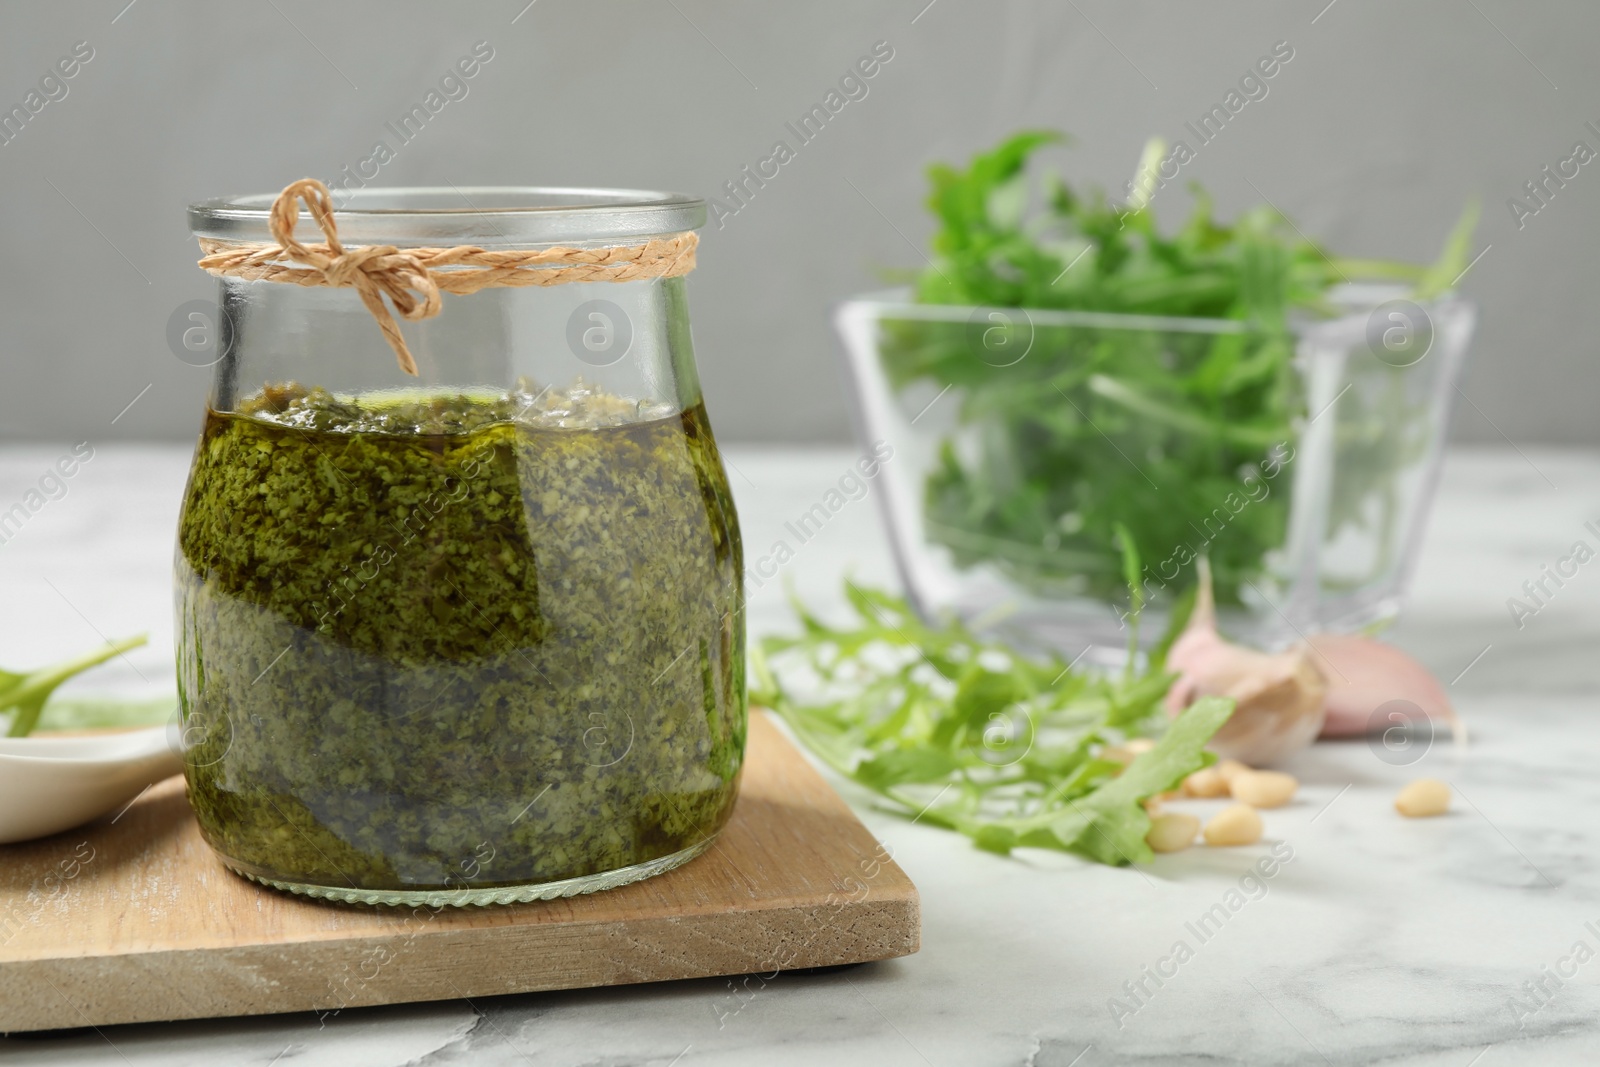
(1387, 119)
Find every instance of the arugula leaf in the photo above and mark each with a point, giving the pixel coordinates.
(1453, 261)
(24, 695)
(1150, 429)
(1110, 823)
(971, 735)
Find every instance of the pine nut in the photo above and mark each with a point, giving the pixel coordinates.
(1127, 752)
(1422, 798)
(1264, 789)
(1117, 754)
(1231, 769)
(1236, 824)
(1172, 832)
(1206, 782)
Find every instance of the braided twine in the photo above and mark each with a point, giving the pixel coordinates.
(414, 278)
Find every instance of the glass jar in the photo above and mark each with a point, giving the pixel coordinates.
(474, 636)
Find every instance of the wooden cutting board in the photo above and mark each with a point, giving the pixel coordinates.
(132, 919)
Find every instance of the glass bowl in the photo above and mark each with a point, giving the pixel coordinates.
(1023, 439)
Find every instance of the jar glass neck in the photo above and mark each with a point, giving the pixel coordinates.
(630, 340)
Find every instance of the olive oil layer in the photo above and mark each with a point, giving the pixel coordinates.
(442, 642)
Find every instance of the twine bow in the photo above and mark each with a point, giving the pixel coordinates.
(374, 271)
(414, 278)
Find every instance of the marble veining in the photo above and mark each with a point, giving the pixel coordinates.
(1451, 941)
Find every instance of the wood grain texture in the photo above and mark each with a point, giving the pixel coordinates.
(132, 919)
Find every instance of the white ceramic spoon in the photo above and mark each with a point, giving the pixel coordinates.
(50, 784)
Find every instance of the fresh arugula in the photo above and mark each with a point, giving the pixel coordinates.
(24, 695)
(1153, 429)
(967, 734)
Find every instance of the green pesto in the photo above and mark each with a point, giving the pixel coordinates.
(456, 640)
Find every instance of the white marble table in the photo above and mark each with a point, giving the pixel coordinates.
(1382, 940)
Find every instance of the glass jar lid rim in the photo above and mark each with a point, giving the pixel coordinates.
(480, 215)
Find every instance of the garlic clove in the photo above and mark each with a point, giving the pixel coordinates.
(1278, 709)
(1278, 697)
(1364, 675)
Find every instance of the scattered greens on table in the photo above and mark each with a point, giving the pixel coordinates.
(967, 734)
(1148, 427)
